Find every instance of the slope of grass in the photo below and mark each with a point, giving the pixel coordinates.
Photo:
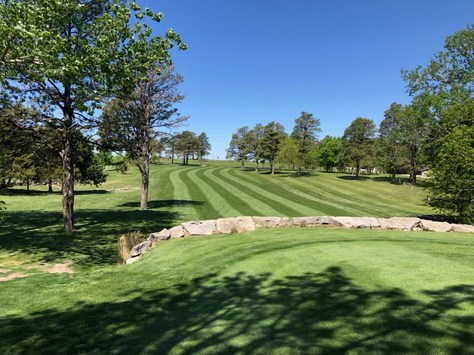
(286, 290)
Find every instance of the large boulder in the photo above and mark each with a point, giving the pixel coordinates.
(433, 226)
(177, 232)
(401, 223)
(141, 248)
(463, 228)
(235, 225)
(200, 227)
(165, 234)
(309, 221)
(270, 222)
(356, 222)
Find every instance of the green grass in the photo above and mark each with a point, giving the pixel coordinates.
(289, 290)
(271, 291)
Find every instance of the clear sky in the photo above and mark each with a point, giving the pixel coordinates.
(256, 61)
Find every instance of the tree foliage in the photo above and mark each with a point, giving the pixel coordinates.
(329, 152)
(357, 141)
(273, 135)
(305, 133)
(71, 54)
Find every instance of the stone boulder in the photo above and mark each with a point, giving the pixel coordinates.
(463, 228)
(270, 222)
(165, 234)
(200, 227)
(401, 223)
(177, 232)
(132, 260)
(235, 225)
(433, 226)
(141, 248)
(356, 222)
(309, 221)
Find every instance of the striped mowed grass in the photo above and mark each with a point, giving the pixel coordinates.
(224, 190)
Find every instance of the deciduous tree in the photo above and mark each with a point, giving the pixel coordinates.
(357, 141)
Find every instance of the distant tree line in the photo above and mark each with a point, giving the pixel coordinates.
(433, 133)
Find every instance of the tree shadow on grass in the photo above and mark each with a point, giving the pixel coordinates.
(353, 177)
(322, 312)
(164, 203)
(40, 234)
(35, 192)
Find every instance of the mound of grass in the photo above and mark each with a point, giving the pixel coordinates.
(285, 290)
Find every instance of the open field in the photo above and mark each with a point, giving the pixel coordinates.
(301, 290)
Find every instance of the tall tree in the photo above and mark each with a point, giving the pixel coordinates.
(133, 124)
(305, 132)
(392, 152)
(447, 84)
(203, 146)
(289, 154)
(357, 141)
(329, 152)
(72, 54)
(254, 139)
(187, 144)
(273, 134)
(239, 147)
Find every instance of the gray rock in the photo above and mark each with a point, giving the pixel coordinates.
(132, 260)
(141, 248)
(401, 223)
(463, 228)
(356, 222)
(235, 225)
(200, 227)
(165, 234)
(270, 222)
(306, 221)
(434, 226)
(177, 232)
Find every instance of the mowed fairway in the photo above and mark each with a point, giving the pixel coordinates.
(289, 290)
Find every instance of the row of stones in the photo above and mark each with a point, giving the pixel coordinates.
(247, 224)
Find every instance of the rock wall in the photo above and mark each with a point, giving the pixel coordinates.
(247, 224)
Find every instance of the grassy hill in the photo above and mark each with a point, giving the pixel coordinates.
(299, 290)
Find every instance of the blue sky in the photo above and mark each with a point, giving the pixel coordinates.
(256, 61)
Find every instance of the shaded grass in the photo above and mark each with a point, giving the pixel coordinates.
(271, 291)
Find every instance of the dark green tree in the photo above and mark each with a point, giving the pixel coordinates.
(357, 141)
(305, 132)
(203, 146)
(239, 147)
(329, 152)
(273, 134)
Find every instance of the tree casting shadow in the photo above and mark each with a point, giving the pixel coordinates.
(164, 203)
(313, 313)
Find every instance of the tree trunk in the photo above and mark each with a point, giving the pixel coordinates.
(27, 185)
(3, 184)
(242, 163)
(145, 172)
(50, 185)
(413, 164)
(256, 165)
(273, 167)
(172, 156)
(68, 178)
(357, 169)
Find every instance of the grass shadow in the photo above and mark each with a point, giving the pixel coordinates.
(353, 177)
(324, 313)
(164, 203)
(40, 234)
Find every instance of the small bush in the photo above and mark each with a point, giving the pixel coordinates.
(126, 242)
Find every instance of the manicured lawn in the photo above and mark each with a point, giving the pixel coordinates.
(283, 291)
(271, 291)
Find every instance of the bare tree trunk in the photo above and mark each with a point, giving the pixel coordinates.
(273, 166)
(27, 184)
(68, 175)
(413, 164)
(50, 185)
(145, 172)
(3, 184)
(256, 165)
(357, 169)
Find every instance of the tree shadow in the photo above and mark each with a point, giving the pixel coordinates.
(164, 203)
(40, 234)
(322, 312)
(36, 192)
(353, 177)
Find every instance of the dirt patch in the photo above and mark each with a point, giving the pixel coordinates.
(62, 268)
(12, 277)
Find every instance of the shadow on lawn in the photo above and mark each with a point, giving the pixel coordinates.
(41, 233)
(164, 203)
(313, 313)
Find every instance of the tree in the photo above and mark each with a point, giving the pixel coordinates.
(186, 143)
(254, 139)
(446, 86)
(273, 135)
(203, 146)
(392, 152)
(72, 54)
(357, 141)
(305, 133)
(329, 152)
(453, 188)
(134, 124)
(239, 147)
(289, 154)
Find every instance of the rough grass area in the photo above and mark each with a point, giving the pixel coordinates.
(285, 290)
